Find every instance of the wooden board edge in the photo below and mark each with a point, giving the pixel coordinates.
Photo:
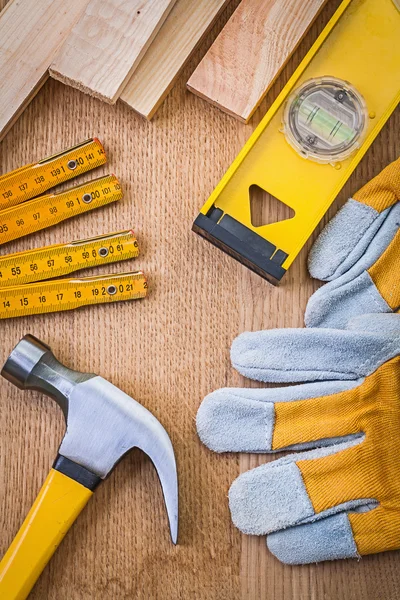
(164, 93)
(246, 116)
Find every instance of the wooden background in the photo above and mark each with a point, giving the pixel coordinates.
(168, 352)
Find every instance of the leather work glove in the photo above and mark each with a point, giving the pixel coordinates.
(338, 496)
(358, 252)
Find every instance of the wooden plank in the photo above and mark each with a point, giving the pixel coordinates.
(31, 33)
(108, 43)
(182, 31)
(250, 52)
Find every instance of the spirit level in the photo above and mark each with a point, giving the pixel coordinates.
(311, 139)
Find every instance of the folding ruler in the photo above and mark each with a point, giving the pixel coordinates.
(36, 178)
(25, 287)
(45, 211)
(311, 139)
(23, 291)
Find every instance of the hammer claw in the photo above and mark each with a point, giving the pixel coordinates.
(103, 424)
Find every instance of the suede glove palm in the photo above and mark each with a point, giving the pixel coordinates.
(340, 496)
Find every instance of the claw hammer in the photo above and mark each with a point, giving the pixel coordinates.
(103, 424)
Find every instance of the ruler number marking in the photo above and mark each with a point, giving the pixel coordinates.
(31, 180)
(58, 171)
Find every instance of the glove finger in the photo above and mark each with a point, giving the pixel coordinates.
(330, 538)
(369, 286)
(297, 355)
(334, 307)
(243, 420)
(274, 496)
(335, 251)
(301, 488)
(347, 236)
(365, 529)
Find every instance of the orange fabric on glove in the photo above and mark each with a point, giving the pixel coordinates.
(383, 191)
(368, 470)
(385, 274)
(358, 252)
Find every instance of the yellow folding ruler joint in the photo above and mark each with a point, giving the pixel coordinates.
(34, 179)
(50, 209)
(68, 294)
(26, 284)
(311, 139)
(26, 290)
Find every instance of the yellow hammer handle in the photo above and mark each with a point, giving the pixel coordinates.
(58, 504)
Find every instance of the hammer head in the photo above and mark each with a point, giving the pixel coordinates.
(103, 423)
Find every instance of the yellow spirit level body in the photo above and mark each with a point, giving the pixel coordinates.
(359, 45)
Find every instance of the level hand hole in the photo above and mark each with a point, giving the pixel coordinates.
(266, 209)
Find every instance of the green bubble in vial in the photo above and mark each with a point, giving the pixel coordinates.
(323, 124)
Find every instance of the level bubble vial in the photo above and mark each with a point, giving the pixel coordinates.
(325, 120)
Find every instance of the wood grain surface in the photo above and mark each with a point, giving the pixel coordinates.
(183, 29)
(30, 35)
(250, 52)
(168, 351)
(108, 43)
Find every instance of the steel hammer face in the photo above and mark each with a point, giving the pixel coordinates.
(103, 424)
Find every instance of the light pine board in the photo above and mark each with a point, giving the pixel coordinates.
(108, 43)
(183, 29)
(168, 351)
(250, 52)
(31, 32)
